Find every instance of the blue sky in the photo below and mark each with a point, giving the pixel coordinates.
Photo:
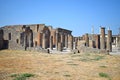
(76, 15)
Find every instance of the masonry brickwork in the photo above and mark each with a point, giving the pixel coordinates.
(26, 37)
(41, 38)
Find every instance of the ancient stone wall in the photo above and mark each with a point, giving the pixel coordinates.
(62, 37)
(32, 36)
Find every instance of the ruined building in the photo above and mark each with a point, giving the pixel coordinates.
(35, 36)
(42, 38)
(96, 42)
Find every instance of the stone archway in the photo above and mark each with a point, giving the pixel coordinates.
(27, 38)
(46, 38)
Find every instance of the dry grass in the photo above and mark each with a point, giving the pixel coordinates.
(81, 66)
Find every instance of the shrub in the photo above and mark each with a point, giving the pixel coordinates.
(103, 75)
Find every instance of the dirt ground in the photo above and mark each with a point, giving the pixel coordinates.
(80, 66)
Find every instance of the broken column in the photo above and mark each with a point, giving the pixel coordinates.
(70, 42)
(51, 42)
(109, 41)
(97, 41)
(43, 41)
(86, 40)
(102, 40)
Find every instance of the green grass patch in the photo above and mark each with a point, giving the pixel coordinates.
(88, 57)
(23, 76)
(73, 64)
(84, 59)
(103, 75)
(103, 66)
(97, 58)
(75, 55)
(67, 75)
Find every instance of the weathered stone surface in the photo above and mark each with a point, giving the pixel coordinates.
(59, 46)
(57, 40)
(70, 42)
(102, 40)
(51, 42)
(26, 37)
(66, 40)
(109, 41)
(97, 40)
(86, 40)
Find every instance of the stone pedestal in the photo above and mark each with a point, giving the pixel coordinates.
(86, 40)
(109, 41)
(102, 42)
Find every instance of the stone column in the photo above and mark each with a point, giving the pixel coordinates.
(25, 41)
(62, 40)
(118, 42)
(97, 41)
(43, 41)
(51, 42)
(109, 41)
(38, 37)
(115, 42)
(59, 46)
(102, 42)
(70, 42)
(86, 40)
(66, 41)
(56, 41)
(41, 37)
(30, 40)
(75, 40)
(74, 45)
